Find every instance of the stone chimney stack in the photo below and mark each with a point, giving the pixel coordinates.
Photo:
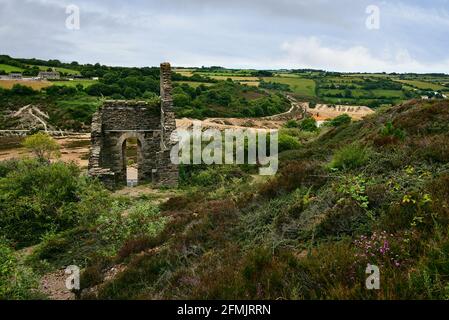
(168, 122)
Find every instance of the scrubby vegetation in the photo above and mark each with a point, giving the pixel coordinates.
(342, 198)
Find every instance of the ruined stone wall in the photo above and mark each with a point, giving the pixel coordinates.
(117, 121)
(130, 116)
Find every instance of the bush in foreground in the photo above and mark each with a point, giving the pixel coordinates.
(37, 198)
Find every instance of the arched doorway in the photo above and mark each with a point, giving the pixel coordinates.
(131, 159)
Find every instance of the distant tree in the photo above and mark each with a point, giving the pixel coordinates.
(181, 100)
(43, 146)
(110, 78)
(130, 93)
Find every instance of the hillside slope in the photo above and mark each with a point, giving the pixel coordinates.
(371, 192)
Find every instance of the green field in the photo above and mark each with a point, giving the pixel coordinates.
(300, 86)
(423, 85)
(9, 69)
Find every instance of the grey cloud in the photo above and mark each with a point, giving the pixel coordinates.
(202, 32)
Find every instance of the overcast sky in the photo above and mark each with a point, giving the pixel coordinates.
(413, 36)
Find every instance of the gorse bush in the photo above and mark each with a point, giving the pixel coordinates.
(350, 157)
(42, 145)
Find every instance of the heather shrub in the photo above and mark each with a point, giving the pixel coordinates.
(293, 175)
(342, 219)
(134, 245)
(382, 249)
(434, 148)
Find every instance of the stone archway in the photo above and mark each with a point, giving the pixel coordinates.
(123, 145)
(152, 126)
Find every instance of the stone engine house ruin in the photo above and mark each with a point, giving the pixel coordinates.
(117, 121)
